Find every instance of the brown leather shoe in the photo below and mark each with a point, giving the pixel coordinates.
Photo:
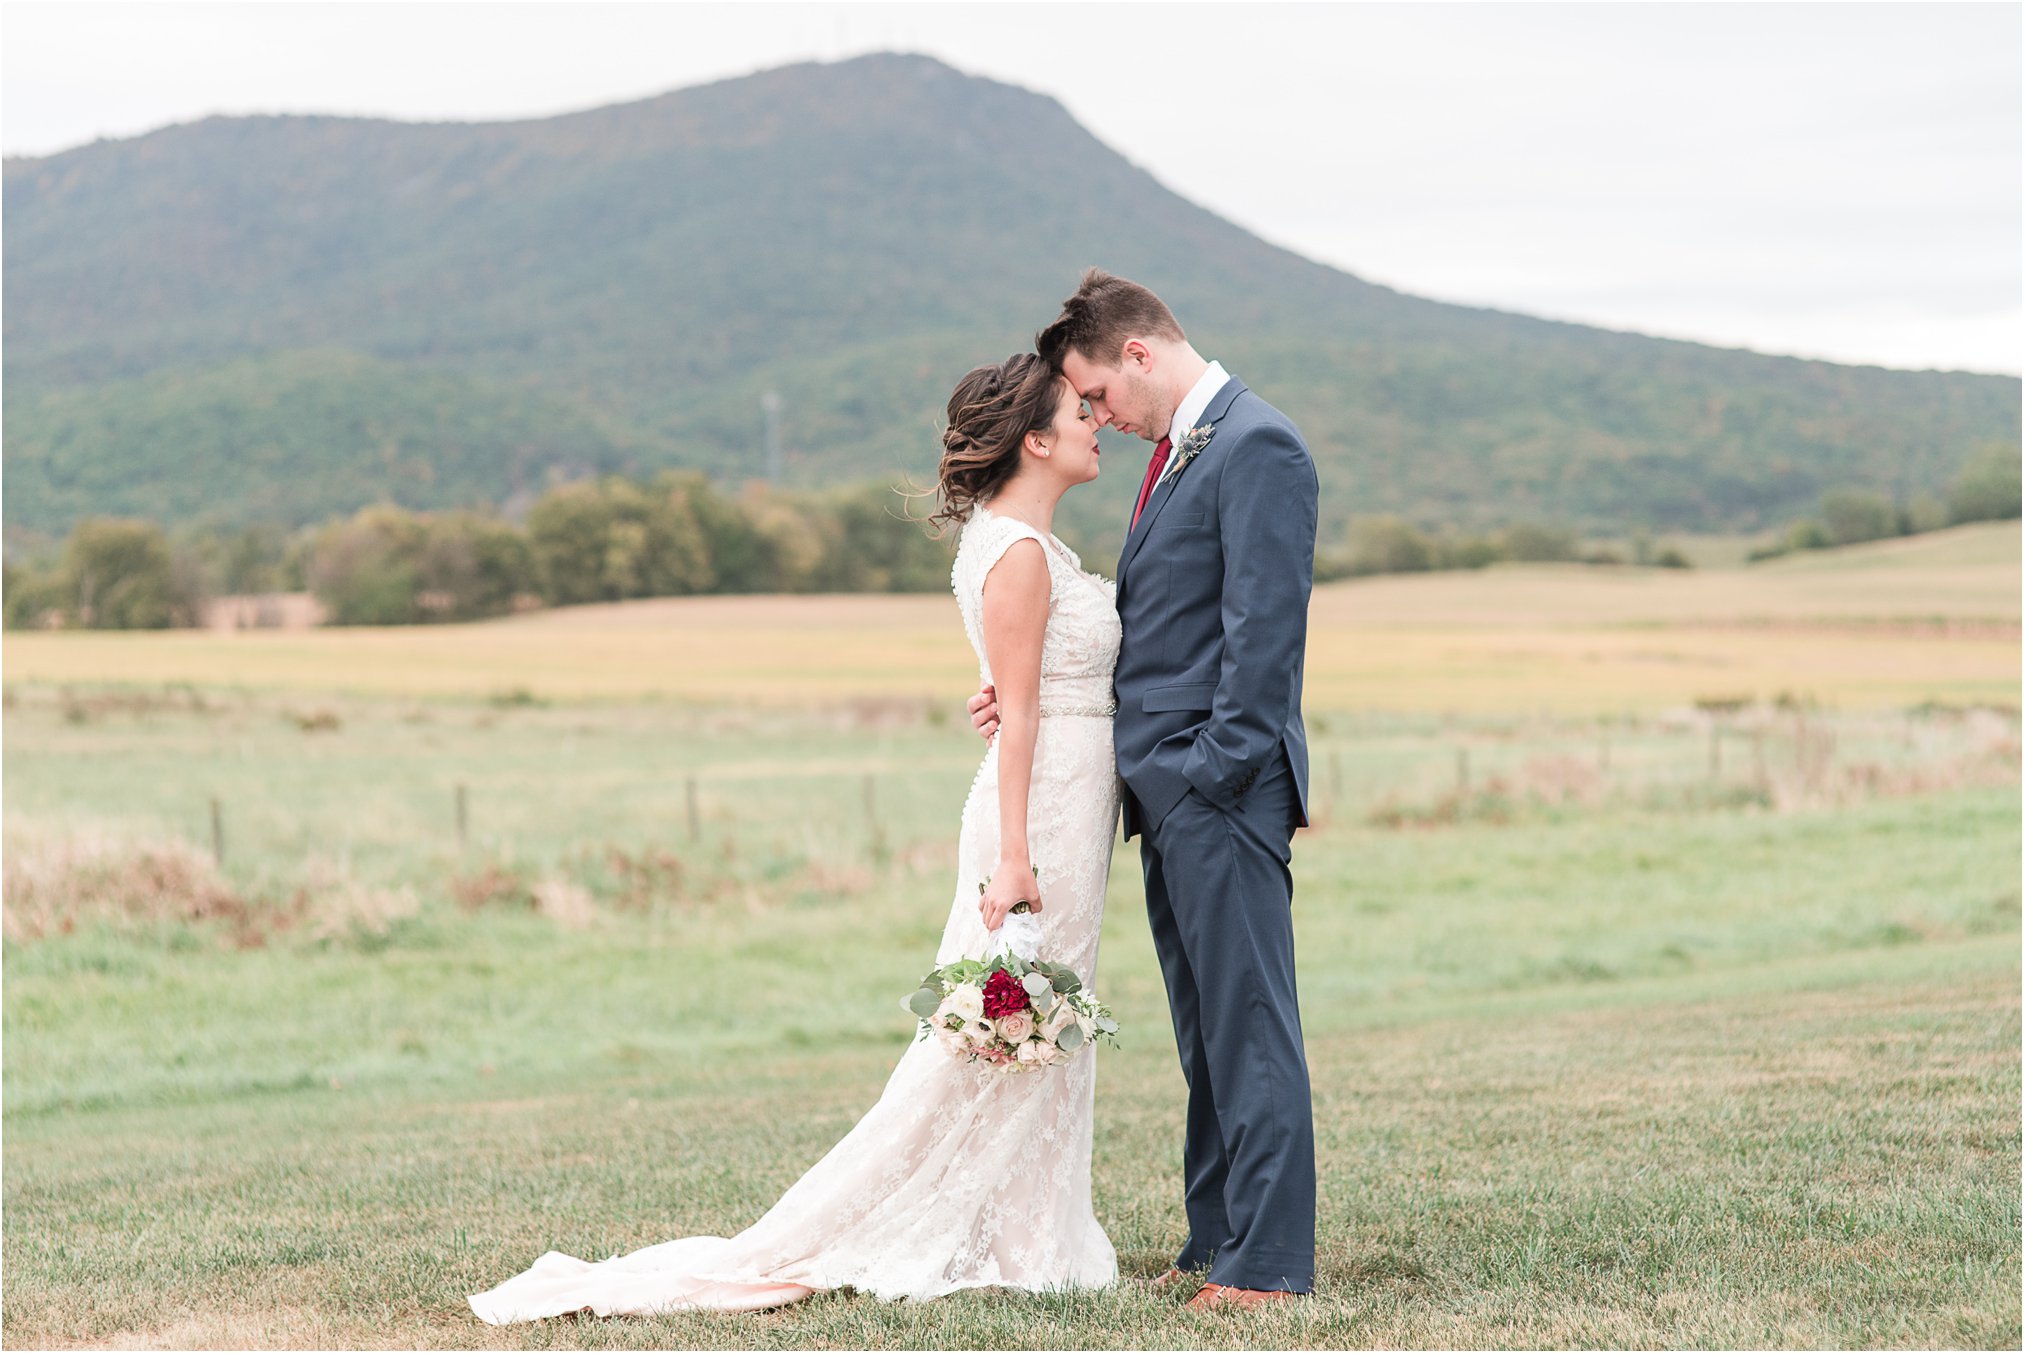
(1171, 1279)
(1215, 1296)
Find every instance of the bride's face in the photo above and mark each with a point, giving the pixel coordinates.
(1072, 440)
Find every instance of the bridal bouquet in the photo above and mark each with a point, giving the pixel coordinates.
(1010, 1012)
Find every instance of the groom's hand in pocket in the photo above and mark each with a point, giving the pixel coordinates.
(984, 711)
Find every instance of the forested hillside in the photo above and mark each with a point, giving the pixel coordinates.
(279, 319)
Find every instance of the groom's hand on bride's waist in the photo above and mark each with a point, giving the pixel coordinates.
(984, 711)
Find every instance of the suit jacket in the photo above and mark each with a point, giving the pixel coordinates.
(1212, 588)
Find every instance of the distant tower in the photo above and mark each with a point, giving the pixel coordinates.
(769, 403)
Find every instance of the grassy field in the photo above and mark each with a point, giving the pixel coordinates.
(1632, 1023)
(1692, 1079)
(1563, 638)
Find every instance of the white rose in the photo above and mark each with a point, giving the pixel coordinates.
(967, 1000)
(1016, 1027)
(1030, 1052)
(1046, 1054)
(978, 1032)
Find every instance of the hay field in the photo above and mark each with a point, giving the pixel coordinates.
(1929, 618)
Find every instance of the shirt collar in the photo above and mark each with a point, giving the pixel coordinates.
(1197, 399)
(1193, 406)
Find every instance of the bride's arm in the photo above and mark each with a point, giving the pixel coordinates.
(1015, 626)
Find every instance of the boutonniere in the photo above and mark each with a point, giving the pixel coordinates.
(1190, 443)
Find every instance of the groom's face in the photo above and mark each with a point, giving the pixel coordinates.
(1120, 396)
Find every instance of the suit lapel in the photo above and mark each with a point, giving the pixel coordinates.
(1218, 406)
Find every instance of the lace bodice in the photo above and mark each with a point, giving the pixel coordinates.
(1079, 651)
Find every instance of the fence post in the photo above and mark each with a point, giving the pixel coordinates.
(463, 818)
(874, 833)
(217, 830)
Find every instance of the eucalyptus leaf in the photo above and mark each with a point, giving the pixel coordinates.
(1036, 985)
(925, 1002)
(1070, 1038)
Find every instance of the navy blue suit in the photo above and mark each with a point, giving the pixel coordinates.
(1212, 588)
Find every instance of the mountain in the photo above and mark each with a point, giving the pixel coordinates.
(282, 318)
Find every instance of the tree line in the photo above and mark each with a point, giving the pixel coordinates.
(1988, 488)
(1387, 544)
(608, 539)
(677, 534)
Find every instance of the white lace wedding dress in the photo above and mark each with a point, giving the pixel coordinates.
(960, 1176)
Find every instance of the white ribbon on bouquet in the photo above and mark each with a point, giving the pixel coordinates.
(1019, 934)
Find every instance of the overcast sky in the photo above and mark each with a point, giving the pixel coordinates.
(1830, 180)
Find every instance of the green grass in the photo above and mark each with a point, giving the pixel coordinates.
(1822, 1153)
(1628, 1071)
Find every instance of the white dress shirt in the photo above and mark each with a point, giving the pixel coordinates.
(1191, 408)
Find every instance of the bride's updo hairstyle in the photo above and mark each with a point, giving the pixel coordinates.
(992, 410)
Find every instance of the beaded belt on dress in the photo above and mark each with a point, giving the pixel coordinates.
(1062, 707)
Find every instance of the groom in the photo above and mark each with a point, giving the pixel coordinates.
(1212, 588)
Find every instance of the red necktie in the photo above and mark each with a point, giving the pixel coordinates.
(1152, 478)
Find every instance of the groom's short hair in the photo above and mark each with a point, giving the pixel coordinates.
(1103, 314)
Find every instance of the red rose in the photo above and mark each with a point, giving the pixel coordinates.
(1003, 994)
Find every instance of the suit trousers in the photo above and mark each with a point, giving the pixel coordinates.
(1219, 894)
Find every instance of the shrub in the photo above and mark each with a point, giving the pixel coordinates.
(1988, 487)
(1531, 543)
(1807, 534)
(32, 596)
(119, 573)
(1387, 545)
(367, 570)
(1852, 516)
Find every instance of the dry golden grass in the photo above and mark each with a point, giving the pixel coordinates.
(60, 877)
(1887, 624)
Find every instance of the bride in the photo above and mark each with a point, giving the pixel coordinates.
(959, 1176)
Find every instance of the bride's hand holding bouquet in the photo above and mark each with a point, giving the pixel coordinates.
(1014, 886)
(1010, 1009)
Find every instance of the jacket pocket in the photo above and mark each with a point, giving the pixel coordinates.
(1197, 695)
